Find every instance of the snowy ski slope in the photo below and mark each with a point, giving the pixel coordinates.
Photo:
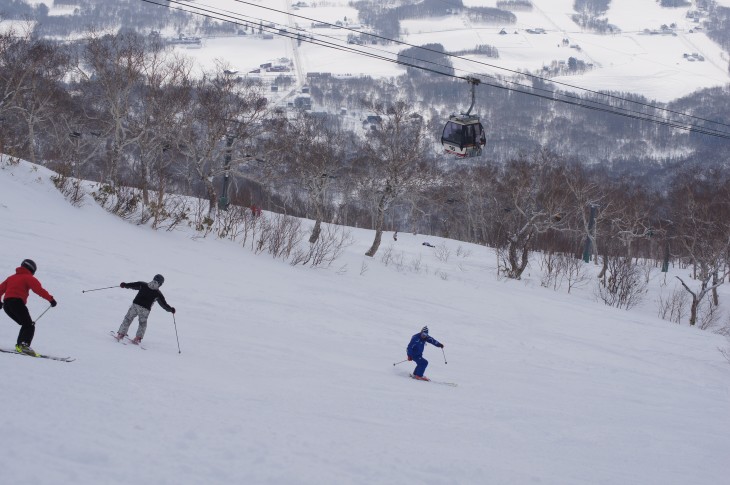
(286, 374)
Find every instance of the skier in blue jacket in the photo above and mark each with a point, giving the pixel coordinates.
(415, 352)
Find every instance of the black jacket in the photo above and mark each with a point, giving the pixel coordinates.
(147, 296)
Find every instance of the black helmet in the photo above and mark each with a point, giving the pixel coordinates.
(30, 265)
(159, 279)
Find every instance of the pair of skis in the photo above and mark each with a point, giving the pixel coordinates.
(39, 356)
(68, 359)
(451, 384)
(126, 340)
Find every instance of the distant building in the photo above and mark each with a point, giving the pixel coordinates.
(372, 120)
(303, 102)
(185, 40)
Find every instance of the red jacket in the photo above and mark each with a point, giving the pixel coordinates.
(17, 286)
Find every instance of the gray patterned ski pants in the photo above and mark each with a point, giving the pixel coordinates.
(135, 311)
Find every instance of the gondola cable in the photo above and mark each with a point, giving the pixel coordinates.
(610, 109)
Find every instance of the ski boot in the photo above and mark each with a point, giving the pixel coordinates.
(24, 348)
(119, 336)
(137, 340)
(420, 378)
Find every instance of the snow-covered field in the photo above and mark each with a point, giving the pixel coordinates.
(286, 374)
(631, 61)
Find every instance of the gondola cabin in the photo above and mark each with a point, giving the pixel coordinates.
(463, 136)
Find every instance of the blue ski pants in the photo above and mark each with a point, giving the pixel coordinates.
(421, 365)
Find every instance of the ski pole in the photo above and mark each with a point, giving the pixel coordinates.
(178, 339)
(400, 362)
(44, 312)
(97, 289)
(442, 350)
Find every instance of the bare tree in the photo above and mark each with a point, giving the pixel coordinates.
(632, 219)
(624, 287)
(395, 163)
(45, 65)
(223, 120)
(111, 67)
(587, 195)
(312, 161)
(31, 71)
(702, 211)
(165, 94)
(14, 47)
(531, 201)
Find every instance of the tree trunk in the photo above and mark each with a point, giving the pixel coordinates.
(160, 207)
(116, 155)
(145, 183)
(316, 230)
(378, 228)
(693, 311)
(604, 270)
(212, 196)
(31, 140)
(518, 263)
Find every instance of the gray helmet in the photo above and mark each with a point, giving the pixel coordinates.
(30, 265)
(159, 279)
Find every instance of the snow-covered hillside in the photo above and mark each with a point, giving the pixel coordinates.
(632, 60)
(286, 374)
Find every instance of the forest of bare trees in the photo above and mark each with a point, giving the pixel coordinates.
(126, 113)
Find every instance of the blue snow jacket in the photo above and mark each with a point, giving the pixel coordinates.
(415, 347)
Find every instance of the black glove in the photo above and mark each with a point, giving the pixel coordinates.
(122, 285)
(173, 310)
(441, 346)
(1, 305)
(410, 358)
(53, 302)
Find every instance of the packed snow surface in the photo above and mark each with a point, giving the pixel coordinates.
(286, 374)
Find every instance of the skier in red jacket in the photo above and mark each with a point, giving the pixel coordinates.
(16, 289)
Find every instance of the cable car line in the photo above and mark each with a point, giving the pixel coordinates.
(273, 30)
(368, 54)
(312, 40)
(484, 63)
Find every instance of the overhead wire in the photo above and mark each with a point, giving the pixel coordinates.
(448, 67)
(487, 64)
(309, 38)
(273, 30)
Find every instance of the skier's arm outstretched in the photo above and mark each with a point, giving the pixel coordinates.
(435, 342)
(137, 285)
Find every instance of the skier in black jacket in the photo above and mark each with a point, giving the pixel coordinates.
(148, 294)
